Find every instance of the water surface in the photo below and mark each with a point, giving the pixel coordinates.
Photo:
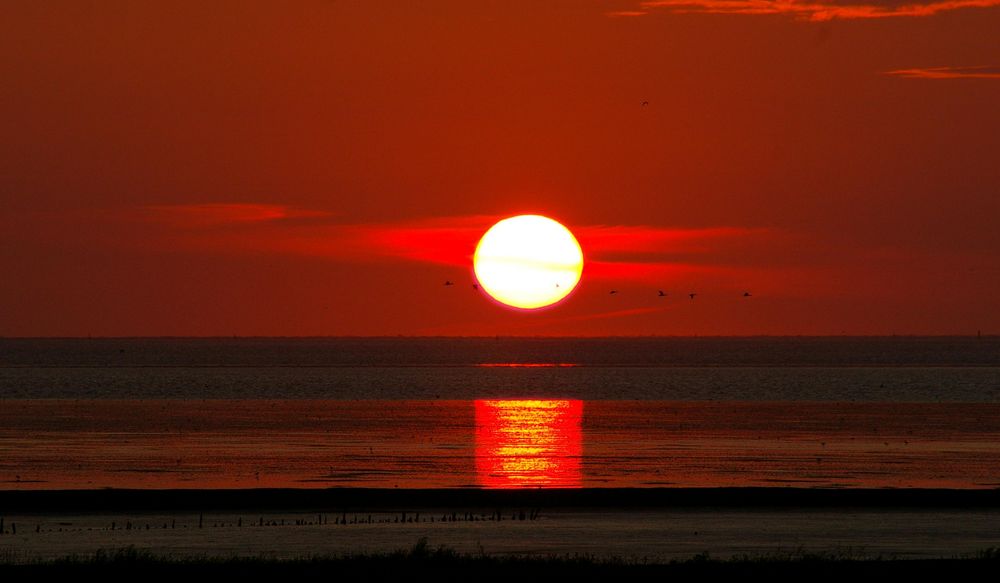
(294, 443)
(499, 412)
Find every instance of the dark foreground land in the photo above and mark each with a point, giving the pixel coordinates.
(504, 534)
(443, 564)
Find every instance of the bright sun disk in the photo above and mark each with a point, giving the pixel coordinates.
(528, 261)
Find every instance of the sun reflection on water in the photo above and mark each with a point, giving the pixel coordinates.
(528, 443)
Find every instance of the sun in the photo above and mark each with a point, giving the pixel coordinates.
(528, 262)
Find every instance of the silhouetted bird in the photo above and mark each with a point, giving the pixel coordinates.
(475, 286)
(613, 292)
(645, 103)
(691, 295)
(448, 283)
(662, 295)
(746, 294)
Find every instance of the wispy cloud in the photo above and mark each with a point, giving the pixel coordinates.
(651, 270)
(609, 240)
(817, 10)
(612, 251)
(214, 214)
(948, 73)
(626, 13)
(446, 241)
(613, 314)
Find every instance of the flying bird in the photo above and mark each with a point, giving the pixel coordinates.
(691, 295)
(662, 295)
(613, 292)
(645, 103)
(746, 294)
(475, 286)
(449, 282)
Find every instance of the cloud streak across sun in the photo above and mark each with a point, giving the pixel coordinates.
(611, 251)
(817, 11)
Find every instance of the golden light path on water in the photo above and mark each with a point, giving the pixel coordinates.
(528, 443)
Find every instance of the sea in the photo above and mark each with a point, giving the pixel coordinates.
(498, 412)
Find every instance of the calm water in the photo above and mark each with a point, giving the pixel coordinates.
(832, 412)
(672, 369)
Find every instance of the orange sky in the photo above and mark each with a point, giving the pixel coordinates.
(321, 168)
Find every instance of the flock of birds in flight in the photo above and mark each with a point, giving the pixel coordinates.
(660, 293)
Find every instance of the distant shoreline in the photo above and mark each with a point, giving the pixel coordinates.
(337, 499)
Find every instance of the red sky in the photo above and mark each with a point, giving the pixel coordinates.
(321, 168)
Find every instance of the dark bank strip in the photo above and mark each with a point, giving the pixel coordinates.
(113, 500)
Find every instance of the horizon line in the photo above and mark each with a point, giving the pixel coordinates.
(490, 336)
